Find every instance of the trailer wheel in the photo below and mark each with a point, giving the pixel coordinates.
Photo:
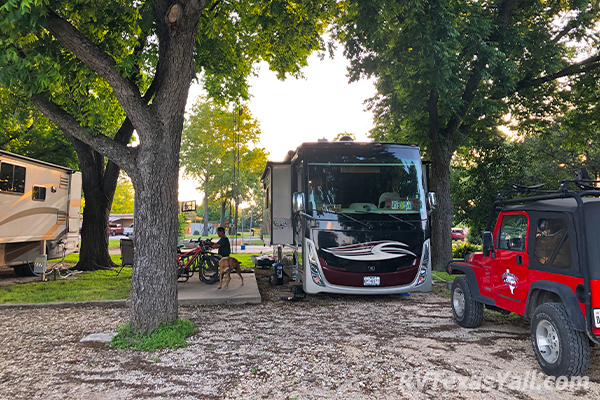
(468, 313)
(559, 348)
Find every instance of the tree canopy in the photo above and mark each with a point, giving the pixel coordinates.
(219, 151)
(447, 71)
(123, 199)
(132, 63)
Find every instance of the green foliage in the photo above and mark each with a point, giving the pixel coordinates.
(448, 71)
(492, 163)
(85, 286)
(460, 250)
(215, 142)
(27, 132)
(165, 336)
(124, 197)
(182, 223)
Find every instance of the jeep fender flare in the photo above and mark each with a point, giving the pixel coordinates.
(567, 296)
(454, 267)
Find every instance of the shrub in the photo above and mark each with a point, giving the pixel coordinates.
(461, 250)
(196, 233)
(171, 336)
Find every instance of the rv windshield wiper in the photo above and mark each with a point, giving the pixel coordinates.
(354, 219)
(401, 220)
(391, 215)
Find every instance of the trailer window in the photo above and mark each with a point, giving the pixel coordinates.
(38, 193)
(12, 178)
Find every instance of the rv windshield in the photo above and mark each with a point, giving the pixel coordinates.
(366, 188)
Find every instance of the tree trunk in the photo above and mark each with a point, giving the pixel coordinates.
(441, 221)
(154, 279)
(223, 205)
(205, 214)
(205, 218)
(99, 184)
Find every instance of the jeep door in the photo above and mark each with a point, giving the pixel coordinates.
(510, 266)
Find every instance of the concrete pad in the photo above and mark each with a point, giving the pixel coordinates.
(99, 337)
(196, 292)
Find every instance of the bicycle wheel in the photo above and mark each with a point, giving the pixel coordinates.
(182, 272)
(182, 275)
(209, 270)
(194, 265)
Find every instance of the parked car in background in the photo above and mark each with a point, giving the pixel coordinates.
(458, 234)
(115, 229)
(128, 231)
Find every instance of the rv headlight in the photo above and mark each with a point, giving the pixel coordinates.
(313, 260)
(425, 263)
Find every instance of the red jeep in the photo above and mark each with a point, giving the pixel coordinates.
(542, 262)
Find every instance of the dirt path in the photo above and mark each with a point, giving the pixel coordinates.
(334, 347)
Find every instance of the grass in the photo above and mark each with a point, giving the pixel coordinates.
(86, 286)
(166, 336)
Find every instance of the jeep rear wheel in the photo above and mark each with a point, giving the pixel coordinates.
(468, 313)
(559, 348)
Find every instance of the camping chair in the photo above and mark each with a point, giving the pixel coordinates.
(126, 253)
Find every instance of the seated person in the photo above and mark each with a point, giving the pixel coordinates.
(223, 246)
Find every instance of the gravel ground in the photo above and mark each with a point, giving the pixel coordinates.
(325, 347)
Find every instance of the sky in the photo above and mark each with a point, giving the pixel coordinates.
(294, 111)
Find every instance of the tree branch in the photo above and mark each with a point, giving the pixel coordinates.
(587, 65)
(118, 152)
(96, 59)
(504, 15)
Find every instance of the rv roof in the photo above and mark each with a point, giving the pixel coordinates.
(32, 160)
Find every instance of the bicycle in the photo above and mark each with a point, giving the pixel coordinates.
(199, 260)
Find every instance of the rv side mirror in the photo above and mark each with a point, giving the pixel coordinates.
(488, 243)
(431, 201)
(298, 202)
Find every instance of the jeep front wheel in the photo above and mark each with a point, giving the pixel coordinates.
(468, 313)
(559, 348)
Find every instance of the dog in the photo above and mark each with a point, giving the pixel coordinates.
(226, 266)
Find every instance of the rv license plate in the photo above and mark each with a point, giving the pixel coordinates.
(371, 280)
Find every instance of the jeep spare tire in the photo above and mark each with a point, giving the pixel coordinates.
(559, 348)
(468, 313)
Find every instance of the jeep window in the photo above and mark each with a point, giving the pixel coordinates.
(12, 178)
(552, 245)
(513, 232)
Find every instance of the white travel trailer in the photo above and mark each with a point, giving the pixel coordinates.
(39, 211)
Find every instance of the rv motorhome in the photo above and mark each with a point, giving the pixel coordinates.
(39, 211)
(351, 217)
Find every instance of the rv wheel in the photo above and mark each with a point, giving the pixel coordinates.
(468, 313)
(559, 348)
